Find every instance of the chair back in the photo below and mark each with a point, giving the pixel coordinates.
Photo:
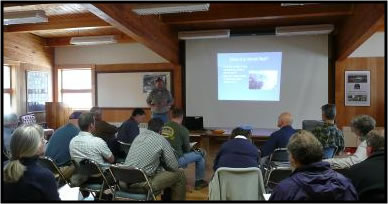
(279, 155)
(28, 119)
(124, 146)
(237, 184)
(131, 175)
(49, 163)
(276, 175)
(329, 152)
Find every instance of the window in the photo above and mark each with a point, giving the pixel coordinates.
(7, 90)
(76, 88)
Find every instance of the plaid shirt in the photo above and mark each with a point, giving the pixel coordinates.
(152, 153)
(330, 136)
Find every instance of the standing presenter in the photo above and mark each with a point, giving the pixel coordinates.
(160, 100)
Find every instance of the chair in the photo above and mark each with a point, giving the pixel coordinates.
(49, 163)
(278, 167)
(237, 184)
(329, 152)
(91, 168)
(130, 175)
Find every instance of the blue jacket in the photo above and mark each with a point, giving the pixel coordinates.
(316, 181)
(37, 183)
(278, 139)
(237, 153)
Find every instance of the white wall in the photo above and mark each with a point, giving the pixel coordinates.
(304, 80)
(106, 54)
(373, 47)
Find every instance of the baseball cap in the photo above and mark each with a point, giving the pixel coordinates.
(75, 115)
(246, 127)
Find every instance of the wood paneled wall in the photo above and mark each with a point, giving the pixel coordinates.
(24, 51)
(377, 77)
(122, 114)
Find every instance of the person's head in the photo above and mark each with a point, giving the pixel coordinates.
(73, 118)
(159, 83)
(97, 113)
(243, 131)
(361, 125)
(304, 149)
(10, 120)
(177, 115)
(86, 122)
(26, 141)
(375, 141)
(328, 112)
(155, 124)
(138, 115)
(285, 119)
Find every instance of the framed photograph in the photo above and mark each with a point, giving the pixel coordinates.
(149, 81)
(37, 90)
(357, 88)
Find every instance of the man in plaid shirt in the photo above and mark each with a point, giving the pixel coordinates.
(152, 153)
(328, 134)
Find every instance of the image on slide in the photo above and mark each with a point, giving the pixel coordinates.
(263, 80)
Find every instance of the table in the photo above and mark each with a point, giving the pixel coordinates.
(205, 137)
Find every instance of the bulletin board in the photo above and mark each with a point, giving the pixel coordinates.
(37, 90)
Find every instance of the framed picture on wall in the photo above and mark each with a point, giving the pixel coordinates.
(357, 88)
(37, 90)
(149, 81)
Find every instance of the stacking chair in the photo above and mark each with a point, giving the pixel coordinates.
(130, 175)
(278, 167)
(91, 168)
(237, 184)
(49, 163)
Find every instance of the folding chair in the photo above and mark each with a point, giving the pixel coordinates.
(130, 175)
(237, 184)
(91, 168)
(49, 163)
(276, 174)
(278, 162)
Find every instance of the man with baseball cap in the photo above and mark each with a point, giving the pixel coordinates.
(58, 145)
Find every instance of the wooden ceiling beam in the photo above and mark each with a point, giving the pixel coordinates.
(55, 23)
(224, 12)
(148, 30)
(357, 28)
(65, 41)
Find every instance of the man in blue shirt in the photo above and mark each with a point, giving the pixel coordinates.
(279, 139)
(58, 145)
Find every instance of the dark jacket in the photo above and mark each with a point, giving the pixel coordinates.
(237, 153)
(315, 182)
(278, 139)
(104, 130)
(128, 131)
(37, 183)
(370, 173)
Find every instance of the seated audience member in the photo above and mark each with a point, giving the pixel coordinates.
(58, 145)
(179, 138)
(369, 176)
(87, 146)
(9, 125)
(24, 178)
(328, 134)
(152, 153)
(130, 128)
(238, 152)
(311, 179)
(360, 125)
(279, 139)
(103, 129)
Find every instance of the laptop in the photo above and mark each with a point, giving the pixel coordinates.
(193, 122)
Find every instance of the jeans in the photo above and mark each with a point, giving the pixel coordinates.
(162, 116)
(196, 157)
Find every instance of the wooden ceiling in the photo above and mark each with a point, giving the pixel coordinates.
(159, 32)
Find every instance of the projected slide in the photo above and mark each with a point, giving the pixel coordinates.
(249, 76)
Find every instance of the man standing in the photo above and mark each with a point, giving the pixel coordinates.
(152, 153)
(179, 138)
(103, 129)
(328, 134)
(279, 139)
(160, 100)
(58, 145)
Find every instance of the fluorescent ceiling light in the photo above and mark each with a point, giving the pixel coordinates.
(149, 9)
(23, 17)
(304, 30)
(203, 34)
(93, 40)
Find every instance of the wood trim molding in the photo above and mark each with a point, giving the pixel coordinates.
(135, 67)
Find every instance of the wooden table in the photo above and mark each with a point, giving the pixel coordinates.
(205, 138)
